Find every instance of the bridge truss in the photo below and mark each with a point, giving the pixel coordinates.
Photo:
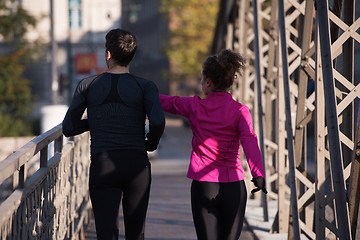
(301, 88)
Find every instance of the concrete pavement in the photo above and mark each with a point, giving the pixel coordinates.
(169, 214)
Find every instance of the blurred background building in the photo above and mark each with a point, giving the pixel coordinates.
(74, 31)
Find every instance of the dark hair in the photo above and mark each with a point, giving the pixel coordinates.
(122, 45)
(223, 68)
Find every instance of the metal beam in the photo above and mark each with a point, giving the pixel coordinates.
(295, 68)
(290, 143)
(332, 121)
(354, 183)
(259, 101)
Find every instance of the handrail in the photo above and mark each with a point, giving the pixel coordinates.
(13, 163)
(53, 203)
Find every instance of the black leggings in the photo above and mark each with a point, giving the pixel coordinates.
(218, 209)
(114, 175)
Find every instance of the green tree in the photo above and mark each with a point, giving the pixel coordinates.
(191, 24)
(15, 93)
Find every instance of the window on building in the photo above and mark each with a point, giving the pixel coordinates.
(75, 14)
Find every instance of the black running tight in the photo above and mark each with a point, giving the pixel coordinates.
(218, 209)
(114, 175)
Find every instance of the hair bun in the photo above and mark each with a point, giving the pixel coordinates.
(222, 68)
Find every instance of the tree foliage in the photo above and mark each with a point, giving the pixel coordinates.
(192, 24)
(15, 93)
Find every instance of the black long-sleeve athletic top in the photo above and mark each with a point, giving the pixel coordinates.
(117, 106)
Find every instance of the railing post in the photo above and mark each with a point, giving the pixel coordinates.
(15, 179)
(44, 157)
(22, 176)
(19, 177)
(58, 144)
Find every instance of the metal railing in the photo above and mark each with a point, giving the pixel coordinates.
(52, 203)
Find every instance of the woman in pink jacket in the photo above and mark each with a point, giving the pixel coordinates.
(219, 124)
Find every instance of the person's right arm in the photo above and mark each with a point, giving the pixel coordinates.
(72, 123)
(155, 115)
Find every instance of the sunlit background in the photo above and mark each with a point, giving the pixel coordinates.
(48, 46)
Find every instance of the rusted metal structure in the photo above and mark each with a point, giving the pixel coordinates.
(52, 203)
(301, 68)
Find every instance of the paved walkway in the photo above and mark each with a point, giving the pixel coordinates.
(169, 214)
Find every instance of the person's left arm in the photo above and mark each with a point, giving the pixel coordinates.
(249, 142)
(73, 124)
(251, 149)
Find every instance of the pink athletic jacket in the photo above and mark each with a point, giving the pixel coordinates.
(219, 124)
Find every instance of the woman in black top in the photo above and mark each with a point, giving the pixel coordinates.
(117, 104)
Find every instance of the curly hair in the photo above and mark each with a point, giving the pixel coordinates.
(223, 68)
(122, 45)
